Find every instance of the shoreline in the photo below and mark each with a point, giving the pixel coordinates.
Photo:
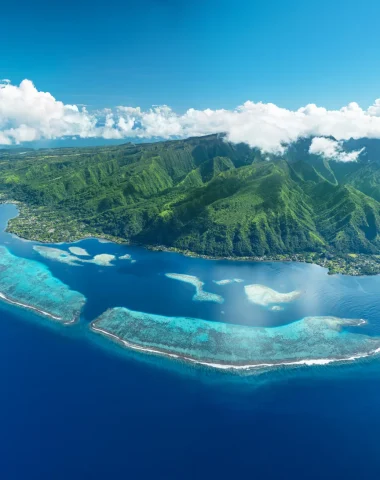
(231, 367)
(350, 264)
(36, 309)
(219, 365)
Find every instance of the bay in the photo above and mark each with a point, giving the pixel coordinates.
(75, 405)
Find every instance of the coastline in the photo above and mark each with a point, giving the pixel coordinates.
(351, 264)
(230, 366)
(35, 309)
(219, 365)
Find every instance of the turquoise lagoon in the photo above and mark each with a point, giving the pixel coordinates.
(136, 400)
(310, 341)
(29, 284)
(243, 316)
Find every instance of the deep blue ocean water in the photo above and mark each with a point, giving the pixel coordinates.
(76, 406)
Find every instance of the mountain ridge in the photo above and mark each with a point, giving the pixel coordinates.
(202, 194)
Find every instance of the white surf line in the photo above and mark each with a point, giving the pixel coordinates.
(221, 366)
(30, 307)
(133, 346)
(73, 320)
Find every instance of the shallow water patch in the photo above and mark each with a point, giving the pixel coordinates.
(309, 341)
(29, 284)
(200, 295)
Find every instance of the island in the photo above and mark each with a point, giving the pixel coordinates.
(309, 341)
(30, 285)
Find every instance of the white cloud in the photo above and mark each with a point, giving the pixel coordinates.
(332, 149)
(28, 114)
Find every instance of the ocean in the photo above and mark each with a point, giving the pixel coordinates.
(76, 405)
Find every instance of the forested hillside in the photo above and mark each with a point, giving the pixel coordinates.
(201, 194)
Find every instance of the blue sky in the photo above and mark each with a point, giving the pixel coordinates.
(196, 53)
(196, 57)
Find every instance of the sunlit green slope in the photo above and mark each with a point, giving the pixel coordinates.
(205, 195)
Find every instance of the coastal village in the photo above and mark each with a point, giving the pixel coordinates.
(43, 225)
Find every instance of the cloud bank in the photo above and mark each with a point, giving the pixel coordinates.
(27, 114)
(329, 148)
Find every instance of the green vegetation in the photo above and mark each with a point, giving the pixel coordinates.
(202, 195)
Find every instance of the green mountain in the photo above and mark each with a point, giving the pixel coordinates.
(202, 194)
